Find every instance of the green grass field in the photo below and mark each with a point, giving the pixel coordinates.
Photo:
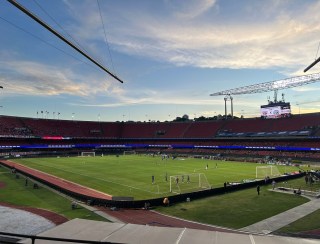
(242, 208)
(16, 193)
(307, 223)
(235, 210)
(131, 175)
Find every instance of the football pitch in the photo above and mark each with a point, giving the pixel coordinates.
(131, 175)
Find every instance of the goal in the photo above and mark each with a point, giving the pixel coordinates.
(264, 171)
(88, 154)
(188, 183)
(132, 152)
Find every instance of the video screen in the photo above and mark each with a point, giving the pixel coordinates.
(275, 111)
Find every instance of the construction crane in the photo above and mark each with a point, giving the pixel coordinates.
(267, 86)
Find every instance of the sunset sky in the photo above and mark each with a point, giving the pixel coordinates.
(170, 54)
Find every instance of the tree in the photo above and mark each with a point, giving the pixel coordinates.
(185, 117)
(182, 119)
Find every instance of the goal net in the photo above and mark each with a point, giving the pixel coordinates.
(264, 171)
(188, 183)
(88, 154)
(132, 152)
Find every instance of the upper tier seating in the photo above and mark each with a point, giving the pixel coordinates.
(298, 125)
(206, 129)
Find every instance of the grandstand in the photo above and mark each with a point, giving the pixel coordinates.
(304, 125)
(296, 137)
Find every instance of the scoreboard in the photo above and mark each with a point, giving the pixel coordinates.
(275, 110)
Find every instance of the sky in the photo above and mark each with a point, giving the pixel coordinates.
(171, 55)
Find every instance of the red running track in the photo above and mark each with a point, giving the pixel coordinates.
(65, 184)
(152, 218)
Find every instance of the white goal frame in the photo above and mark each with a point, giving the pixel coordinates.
(131, 152)
(269, 170)
(88, 154)
(201, 183)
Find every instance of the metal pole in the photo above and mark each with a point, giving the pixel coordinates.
(45, 25)
(311, 65)
(231, 98)
(225, 108)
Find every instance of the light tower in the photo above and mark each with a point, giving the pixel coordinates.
(226, 98)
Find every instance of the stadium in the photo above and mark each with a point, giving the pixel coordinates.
(46, 145)
(209, 179)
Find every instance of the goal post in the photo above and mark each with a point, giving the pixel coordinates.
(88, 154)
(267, 171)
(188, 183)
(131, 152)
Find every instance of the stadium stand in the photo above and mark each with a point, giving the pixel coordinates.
(301, 124)
(202, 129)
(175, 129)
(295, 137)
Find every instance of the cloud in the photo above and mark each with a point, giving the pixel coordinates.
(35, 79)
(190, 9)
(260, 35)
(153, 98)
(284, 40)
(305, 88)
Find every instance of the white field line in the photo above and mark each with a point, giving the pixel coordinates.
(113, 182)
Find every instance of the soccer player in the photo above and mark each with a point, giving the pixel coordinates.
(152, 179)
(273, 184)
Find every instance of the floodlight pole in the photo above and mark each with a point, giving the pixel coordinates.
(231, 98)
(225, 107)
(1, 88)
